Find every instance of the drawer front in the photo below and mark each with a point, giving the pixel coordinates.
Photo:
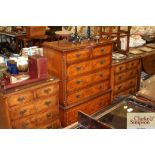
(78, 55)
(89, 107)
(25, 123)
(101, 75)
(120, 78)
(102, 50)
(131, 73)
(131, 91)
(48, 116)
(101, 62)
(85, 93)
(79, 82)
(18, 112)
(18, 99)
(77, 69)
(131, 83)
(88, 79)
(52, 125)
(47, 90)
(119, 88)
(120, 68)
(126, 92)
(132, 64)
(44, 104)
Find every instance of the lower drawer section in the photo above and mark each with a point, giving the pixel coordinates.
(69, 116)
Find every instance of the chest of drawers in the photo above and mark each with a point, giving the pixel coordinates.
(126, 77)
(84, 71)
(33, 106)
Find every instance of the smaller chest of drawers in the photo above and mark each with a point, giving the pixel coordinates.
(125, 77)
(33, 106)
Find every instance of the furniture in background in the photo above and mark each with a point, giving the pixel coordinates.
(117, 32)
(34, 105)
(84, 71)
(125, 77)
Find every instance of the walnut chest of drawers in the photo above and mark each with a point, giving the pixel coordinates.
(126, 77)
(35, 105)
(84, 71)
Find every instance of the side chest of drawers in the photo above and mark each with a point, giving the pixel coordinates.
(85, 78)
(33, 106)
(126, 77)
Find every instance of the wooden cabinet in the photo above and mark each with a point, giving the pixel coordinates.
(126, 77)
(33, 106)
(85, 71)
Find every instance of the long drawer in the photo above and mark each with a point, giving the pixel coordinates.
(91, 65)
(83, 81)
(87, 92)
(25, 123)
(69, 116)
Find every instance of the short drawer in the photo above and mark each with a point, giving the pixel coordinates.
(77, 69)
(78, 55)
(132, 64)
(102, 50)
(131, 83)
(120, 68)
(101, 62)
(131, 91)
(47, 90)
(120, 78)
(48, 116)
(87, 92)
(131, 73)
(88, 79)
(118, 88)
(18, 112)
(44, 104)
(20, 98)
(25, 123)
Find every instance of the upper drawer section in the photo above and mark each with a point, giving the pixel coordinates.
(78, 55)
(102, 50)
(20, 98)
(47, 90)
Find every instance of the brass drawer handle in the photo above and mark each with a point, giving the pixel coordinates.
(100, 87)
(101, 75)
(78, 55)
(22, 112)
(47, 103)
(119, 87)
(21, 99)
(102, 49)
(78, 96)
(102, 62)
(49, 115)
(78, 68)
(100, 103)
(120, 77)
(25, 125)
(47, 90)
(78, 82)
(120, 68)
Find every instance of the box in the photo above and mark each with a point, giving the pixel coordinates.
(33, 31)
(37, 66)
